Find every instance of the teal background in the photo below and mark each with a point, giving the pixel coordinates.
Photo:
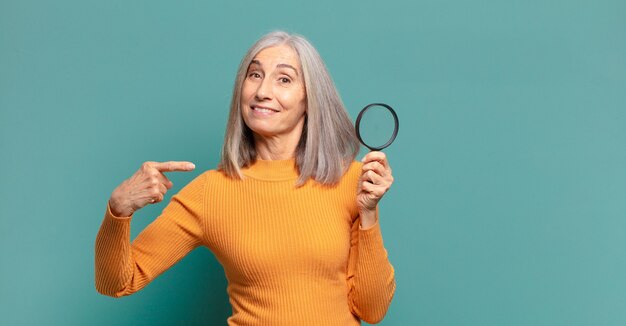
(509, 201)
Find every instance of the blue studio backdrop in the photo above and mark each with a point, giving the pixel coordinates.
(509, 201)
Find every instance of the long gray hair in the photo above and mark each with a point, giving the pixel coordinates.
(328, 143)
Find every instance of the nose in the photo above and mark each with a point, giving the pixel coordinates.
(264, 90)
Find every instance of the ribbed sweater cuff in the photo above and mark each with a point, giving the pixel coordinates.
(371, 238)
(112, 254)
(114, 229)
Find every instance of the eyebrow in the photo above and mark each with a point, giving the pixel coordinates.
(280, 65)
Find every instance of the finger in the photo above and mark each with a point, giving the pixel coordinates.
(373, 189)
(366, 186)
(155, 194)
(376, 156)
(162, 189)
(384, 182)
(164, 180)
(386, 178)
(376, 167)
(172, 166)
(373, 177)
(155, 178)
(149, 196)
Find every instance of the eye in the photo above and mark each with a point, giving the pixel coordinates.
(254, 74)
(285, 80)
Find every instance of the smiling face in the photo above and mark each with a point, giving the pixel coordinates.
(273, 97)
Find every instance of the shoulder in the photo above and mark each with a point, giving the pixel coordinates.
(216, 178)
(206, 182)
(201, 180)
(353, 172)
(355, 168)
(196, 184)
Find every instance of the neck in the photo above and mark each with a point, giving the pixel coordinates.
(275, 148)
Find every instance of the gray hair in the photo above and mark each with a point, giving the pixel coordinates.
(328, 144)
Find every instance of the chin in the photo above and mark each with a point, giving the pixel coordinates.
(262, 131)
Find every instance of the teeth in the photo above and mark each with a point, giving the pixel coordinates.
(263, 109)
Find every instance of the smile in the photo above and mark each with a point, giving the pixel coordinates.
(264, 110)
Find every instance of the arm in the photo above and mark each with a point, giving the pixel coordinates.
(371, 281)
(370, 275)
(123, 268)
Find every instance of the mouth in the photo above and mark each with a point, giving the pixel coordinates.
(263, 109)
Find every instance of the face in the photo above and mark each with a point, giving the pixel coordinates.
(273, 98)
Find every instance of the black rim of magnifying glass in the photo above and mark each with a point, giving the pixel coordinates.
(395, 128)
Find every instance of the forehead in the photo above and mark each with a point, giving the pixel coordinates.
(272, 56)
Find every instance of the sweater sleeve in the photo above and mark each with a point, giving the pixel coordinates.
(123, 268)
(371, 279)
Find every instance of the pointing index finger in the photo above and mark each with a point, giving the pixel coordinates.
(172, 166)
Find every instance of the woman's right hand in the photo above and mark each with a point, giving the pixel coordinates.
(147, 186)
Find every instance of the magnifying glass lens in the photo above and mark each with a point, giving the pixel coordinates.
(377, 126)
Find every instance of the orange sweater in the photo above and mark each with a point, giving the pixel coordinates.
(292, 256)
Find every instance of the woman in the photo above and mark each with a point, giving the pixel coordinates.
(289, 214)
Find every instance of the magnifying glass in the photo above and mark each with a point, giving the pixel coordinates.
(374, 128)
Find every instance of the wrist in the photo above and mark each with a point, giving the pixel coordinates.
(116, 208)
(368, 218)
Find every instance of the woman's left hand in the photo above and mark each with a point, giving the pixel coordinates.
(374, 182)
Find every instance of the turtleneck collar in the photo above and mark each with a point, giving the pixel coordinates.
(272, 170)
